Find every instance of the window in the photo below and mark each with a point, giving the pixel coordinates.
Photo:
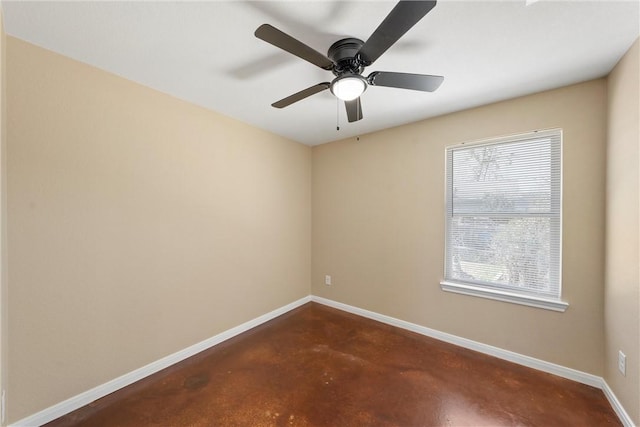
(503, 225)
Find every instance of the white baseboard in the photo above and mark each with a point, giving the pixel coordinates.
(500, 353)
(617, 406)
(82, 399)
(531, 362)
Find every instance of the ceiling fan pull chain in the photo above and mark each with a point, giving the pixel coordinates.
(337, 114)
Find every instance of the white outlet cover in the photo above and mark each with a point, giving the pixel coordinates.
(622, 363)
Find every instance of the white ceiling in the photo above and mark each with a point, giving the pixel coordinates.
(206, 53)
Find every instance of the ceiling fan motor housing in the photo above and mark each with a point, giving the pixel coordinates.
(344, 54)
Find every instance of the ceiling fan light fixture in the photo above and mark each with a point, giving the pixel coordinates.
(348, 57)
(348, 87)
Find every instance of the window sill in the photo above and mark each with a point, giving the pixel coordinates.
(547, 304)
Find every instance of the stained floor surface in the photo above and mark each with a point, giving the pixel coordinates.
(317, 366)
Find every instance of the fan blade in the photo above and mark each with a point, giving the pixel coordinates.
(354, 110)
(400, 20)
(421, 82)
(285, 42)
(301, 95)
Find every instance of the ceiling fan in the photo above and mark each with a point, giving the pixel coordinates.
(347, 59)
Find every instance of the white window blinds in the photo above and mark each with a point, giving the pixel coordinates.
(503, 201)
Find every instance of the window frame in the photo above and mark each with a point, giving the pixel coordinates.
(495, 293)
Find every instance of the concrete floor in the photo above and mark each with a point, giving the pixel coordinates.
(317, 366)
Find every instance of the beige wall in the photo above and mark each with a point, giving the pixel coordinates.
(138, 225)
(622, 290)
(378, 226)
(4, 335)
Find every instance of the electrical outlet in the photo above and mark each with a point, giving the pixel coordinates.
(327, 280)
(622, 363)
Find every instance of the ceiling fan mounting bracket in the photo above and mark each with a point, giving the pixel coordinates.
(344, 54)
